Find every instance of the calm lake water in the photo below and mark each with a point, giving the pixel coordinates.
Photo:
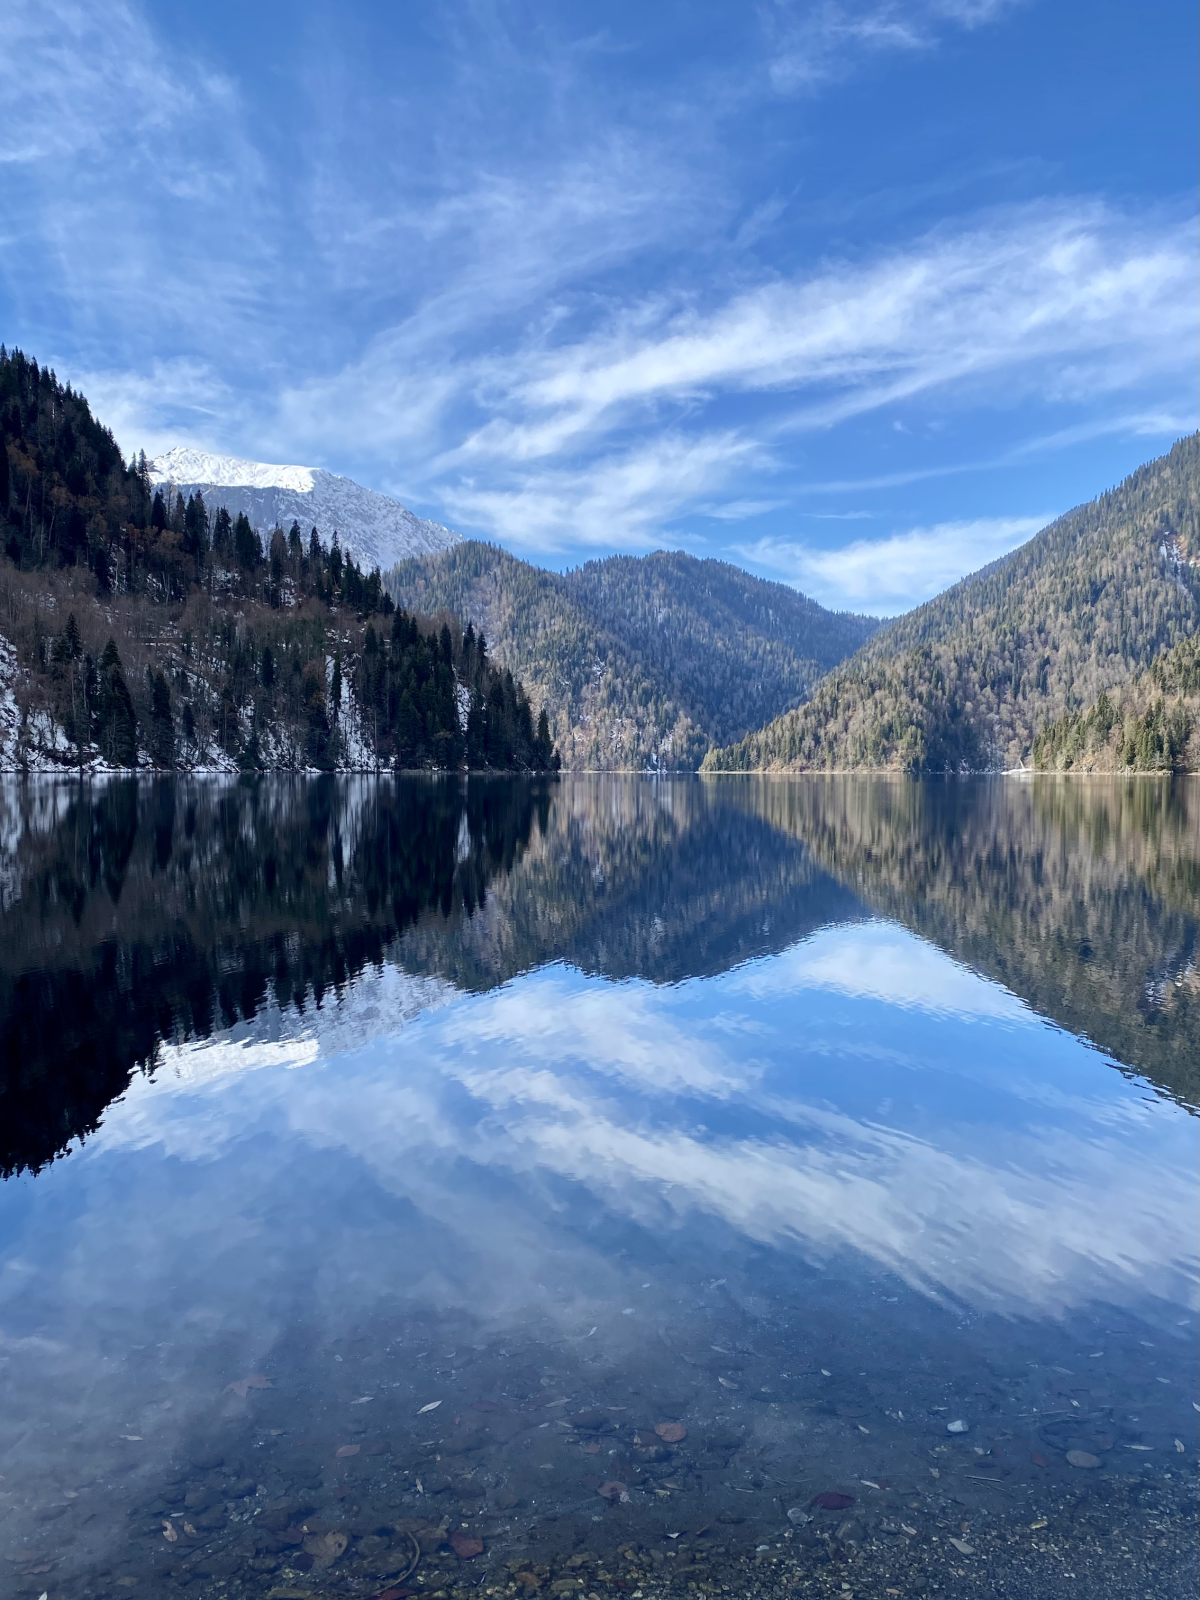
(609, 1186)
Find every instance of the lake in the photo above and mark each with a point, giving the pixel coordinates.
(607, 1186)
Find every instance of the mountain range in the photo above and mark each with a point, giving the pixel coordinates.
(142, 603)
(376, 529)
(641, 662)
(967, 681)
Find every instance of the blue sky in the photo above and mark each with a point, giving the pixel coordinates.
(855, 295)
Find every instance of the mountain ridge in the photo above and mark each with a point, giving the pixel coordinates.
(377, 529)
(642, 663)
(142, 632)
(966, 681)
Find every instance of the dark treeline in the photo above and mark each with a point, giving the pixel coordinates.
(153, 632)
(68, 500)
(409, 689)
(163, 911)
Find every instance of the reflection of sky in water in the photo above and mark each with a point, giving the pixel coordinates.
(858, 1097)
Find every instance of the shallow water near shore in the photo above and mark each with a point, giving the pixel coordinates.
(608, 1186)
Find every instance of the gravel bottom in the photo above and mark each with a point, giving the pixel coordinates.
(1128, 1539)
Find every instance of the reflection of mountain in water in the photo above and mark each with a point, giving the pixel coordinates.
(137, 912)
(134, 913)
(630, 879)
(1081, 897)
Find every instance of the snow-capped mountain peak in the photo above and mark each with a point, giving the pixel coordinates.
(376, 529)
(182, 465)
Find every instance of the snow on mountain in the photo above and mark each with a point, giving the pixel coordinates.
(376, 529)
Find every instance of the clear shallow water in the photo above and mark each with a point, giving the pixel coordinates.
(809, 1117)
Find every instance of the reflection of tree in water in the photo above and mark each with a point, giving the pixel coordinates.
(1078, 895)
(662, 881)
(135, 913)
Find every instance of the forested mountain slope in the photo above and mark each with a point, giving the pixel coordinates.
(640, 661)
(1152, 725)
(138, 630)
(967, 681)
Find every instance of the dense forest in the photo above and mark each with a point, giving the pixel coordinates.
(138, 629)
(968, 681)
(1151, 725)
(641, 662)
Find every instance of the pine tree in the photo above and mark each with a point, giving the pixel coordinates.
(222, 534)
(195, 528)
(115, 722)
(162, 727)
(247, 546)
(543, 745)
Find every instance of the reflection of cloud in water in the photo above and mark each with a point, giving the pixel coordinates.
(629, 1092)
(879, 961)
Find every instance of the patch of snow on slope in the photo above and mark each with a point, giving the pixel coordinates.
(10, 715)
(376, 529)
(182, 465)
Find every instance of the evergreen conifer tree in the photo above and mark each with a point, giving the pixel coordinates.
(116, 721)
(222, 534)
(247, 546)
(162, 727)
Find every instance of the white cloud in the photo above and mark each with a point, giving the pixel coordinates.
(740, 510)
(1035, 288)
(878, 961)
(620, 500)
(884, 577)
(819, 43)
(1061, 302)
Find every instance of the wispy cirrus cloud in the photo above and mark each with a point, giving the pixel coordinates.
(815, 44)
(623, 499)
(138, 211)
(1061, 301)
(1081, 294)
(884, 577)
(551, 307)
